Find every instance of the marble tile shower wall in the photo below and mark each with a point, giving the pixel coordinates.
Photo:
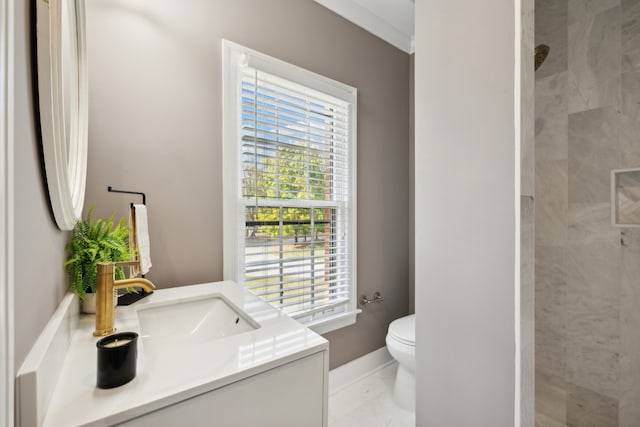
(587, 110)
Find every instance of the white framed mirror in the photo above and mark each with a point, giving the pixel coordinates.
(63, 99)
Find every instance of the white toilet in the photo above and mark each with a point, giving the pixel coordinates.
(401, 343)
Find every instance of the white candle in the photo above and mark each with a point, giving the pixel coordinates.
(116, 343)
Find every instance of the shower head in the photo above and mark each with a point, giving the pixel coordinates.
(541, 52)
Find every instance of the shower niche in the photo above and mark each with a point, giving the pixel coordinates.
(625, 197)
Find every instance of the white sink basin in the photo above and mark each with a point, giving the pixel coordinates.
(192, 321)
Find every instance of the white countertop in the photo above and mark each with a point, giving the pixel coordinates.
(170, 376)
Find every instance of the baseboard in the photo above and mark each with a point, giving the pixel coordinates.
(347, 374)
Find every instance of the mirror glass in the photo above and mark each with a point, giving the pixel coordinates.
(62, 92)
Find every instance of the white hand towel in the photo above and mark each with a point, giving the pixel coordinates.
(134, 270)
(142, 237)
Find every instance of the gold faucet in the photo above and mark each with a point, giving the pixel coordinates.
(105, 285)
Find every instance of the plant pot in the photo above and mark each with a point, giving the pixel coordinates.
(88, 305)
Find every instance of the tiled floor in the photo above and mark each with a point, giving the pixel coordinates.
(544, 421)
(368, 402)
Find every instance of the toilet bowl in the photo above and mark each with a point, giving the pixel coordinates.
(401, 344)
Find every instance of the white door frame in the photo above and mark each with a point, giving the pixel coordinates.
(6, 214)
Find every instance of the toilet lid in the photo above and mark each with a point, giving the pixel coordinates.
(404, 330)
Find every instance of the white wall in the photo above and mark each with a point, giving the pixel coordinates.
(465, 154)
(6, 206)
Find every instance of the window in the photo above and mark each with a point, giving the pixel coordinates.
(290, 187)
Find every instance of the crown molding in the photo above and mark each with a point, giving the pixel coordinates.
(372, 22)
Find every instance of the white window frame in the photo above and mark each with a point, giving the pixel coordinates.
(233, 57)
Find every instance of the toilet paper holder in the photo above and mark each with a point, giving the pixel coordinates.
(376, 298)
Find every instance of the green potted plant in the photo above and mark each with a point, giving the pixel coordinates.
(93, 241)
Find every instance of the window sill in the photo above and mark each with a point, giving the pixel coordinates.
(323, 326)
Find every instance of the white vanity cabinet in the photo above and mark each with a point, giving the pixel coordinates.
(290, 395)
(274, 374)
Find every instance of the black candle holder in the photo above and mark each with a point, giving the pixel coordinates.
(117, 356)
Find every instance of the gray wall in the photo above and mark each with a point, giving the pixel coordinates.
(587, 288)
(155, 126)
(465, 198)
(39, 245)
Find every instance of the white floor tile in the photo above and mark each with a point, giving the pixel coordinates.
(368, 403)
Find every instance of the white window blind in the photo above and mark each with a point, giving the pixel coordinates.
(295, 187)
(296, 202)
